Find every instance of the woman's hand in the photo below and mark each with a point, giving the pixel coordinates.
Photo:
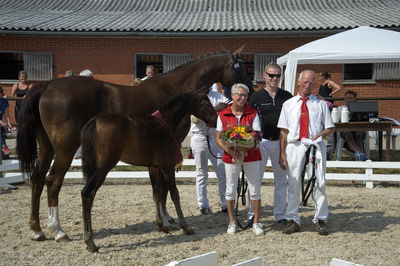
(236, 154)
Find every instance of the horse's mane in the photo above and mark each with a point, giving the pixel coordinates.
(201, 57)
(173, 101)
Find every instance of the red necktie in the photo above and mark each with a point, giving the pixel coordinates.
(304, 119)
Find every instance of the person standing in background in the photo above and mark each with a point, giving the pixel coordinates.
(149, 72)
(5, 124)
(204, 148)
(268, 102)
(20, 89)
(328, 88)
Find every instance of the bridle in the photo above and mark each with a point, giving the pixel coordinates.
(236, 66)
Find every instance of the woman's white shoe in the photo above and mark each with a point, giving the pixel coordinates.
(231, 229)
(257, 229)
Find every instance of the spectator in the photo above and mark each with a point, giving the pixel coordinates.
(86, 73)
(149, 72)
(354, 140)
(69, 73)
(239, 113)
(268, 102)
(299, 128)
(4, 122)
(20, 89)
(204, 148)
(328, 88)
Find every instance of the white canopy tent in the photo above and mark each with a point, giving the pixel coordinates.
(360, 45)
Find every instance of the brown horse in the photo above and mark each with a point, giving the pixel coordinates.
(54, 113)
(145, 141)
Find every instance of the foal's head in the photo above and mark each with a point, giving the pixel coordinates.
(201, 107)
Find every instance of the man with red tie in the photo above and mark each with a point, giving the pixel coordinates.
(304, 121)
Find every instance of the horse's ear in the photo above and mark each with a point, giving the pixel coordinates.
(239, 51)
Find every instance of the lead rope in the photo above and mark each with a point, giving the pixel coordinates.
(241, 193)
(308, 190)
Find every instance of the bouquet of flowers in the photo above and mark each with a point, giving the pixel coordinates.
(241, 138)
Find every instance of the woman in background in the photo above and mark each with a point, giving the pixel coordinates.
(20, 89)
(328, 88)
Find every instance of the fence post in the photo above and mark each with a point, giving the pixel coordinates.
(369, 172)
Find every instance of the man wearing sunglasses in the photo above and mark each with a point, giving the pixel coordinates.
(268, 102)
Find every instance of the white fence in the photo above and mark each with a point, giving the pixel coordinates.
(368, 176)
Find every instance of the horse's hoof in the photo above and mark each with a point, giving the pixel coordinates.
(38, 236)
(64, 238)
(92, 248)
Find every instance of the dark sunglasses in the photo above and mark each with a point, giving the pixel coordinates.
(273, 75)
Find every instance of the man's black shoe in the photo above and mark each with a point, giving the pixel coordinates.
(321, 227)
(291, 228)
(206, 211)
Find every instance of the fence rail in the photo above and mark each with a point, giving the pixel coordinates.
(368, 176)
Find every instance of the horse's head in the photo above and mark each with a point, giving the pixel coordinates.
(202, 108)
(235, 70)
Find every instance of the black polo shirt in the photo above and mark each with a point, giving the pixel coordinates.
(269, 110)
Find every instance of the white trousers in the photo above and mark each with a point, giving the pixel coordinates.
(295, 153)
(252, 174)
(270, 150)
(201, 153)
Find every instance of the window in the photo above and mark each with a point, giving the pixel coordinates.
(162, 62)
(387, 71)
(260, 61)
(39, 66)
(357, 72)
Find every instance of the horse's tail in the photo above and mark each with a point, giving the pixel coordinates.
(88, 142)
(28, 124)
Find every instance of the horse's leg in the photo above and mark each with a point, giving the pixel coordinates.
(54, 182)
(88, 193)
(37, 179)
(156, 185)
(170, 183)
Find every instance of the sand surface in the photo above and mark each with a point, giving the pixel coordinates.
(364, 224)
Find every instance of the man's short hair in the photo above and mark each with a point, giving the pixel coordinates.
(150, 66)
(272, 65)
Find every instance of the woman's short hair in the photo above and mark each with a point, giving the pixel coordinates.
(237, 86)
(22, 72)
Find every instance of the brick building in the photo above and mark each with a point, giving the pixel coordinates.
(117, 39)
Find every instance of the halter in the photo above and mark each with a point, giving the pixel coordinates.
(178, 155)
(236, 66)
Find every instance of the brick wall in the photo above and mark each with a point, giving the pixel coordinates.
(112, 59)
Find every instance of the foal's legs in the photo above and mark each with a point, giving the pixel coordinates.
(37, 179)
(88, 193)
(154, 176)
(168, 174)
(155, 179)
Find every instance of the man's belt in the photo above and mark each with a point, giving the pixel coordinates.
(271, 138)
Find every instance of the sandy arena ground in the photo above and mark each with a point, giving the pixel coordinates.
(365, 226)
